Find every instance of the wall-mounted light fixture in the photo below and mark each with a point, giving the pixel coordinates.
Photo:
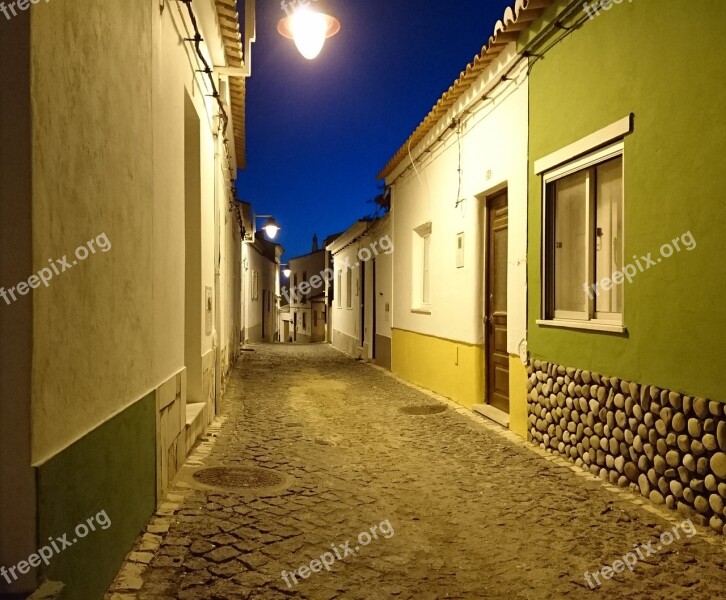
(271, 228)
(308, 25)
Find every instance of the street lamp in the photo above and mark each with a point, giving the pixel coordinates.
(308, 27)
(286, 271)
(271, 228)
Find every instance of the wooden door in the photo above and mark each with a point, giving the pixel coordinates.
(497, 367)
(264, 316)
(362, 300)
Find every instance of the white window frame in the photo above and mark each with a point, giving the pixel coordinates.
(340, 288)
(255, 285)
(349, 289)
(422, 235)
(591, 319)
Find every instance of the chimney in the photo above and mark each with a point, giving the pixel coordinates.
(315, 242)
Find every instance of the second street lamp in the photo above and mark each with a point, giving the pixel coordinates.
(271, 228)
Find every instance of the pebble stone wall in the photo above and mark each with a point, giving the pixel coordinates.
(667, 446)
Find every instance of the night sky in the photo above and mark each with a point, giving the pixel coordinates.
(318, 132)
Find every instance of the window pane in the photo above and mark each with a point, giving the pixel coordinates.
(570, 261)
(500, 249)
(426, 297)
(608, 240)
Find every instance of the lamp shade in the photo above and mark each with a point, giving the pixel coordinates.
(308, 28)
(271, 228)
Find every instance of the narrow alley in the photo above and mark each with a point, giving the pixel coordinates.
(461, 510)
(341, 299)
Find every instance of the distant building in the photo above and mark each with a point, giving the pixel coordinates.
(260, 290)
(362, 290)
(304, 294)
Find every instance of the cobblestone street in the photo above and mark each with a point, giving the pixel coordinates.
(472, 512)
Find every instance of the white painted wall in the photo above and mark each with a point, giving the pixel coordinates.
(347, 320)
(303, 270)
(493, 155)
(362, 243)
(254, 261)
(109, 158)
(384, 283)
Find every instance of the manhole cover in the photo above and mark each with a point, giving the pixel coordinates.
(239, 477)
(431, 409)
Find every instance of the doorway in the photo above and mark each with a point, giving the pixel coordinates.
(374, 309)
(264, 319)
(193, 291)
(362, 298)
(497, 357)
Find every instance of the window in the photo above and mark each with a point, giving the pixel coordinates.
(255, 285)
(339, 289)
(421, 268)
(315, 318)
(304, 324)
(583, 239)
(426, 291)
(349, 288)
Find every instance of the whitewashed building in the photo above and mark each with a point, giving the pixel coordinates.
(305, 295)
(362, 290)
(115, 154)
(260, 284)
(459, 204)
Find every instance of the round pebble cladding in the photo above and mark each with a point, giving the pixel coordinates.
(669, 447)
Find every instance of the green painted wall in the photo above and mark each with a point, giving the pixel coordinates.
(664, 62)
(113, 468)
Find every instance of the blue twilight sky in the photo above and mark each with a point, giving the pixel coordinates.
(318, 132)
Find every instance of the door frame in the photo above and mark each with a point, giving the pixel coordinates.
(486, 271)
(374, 310)
(362, 299)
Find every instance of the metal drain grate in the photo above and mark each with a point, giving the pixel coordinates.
(429, 409)
(239, 478)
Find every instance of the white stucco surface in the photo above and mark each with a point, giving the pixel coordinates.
(109, 158)
(492, 148)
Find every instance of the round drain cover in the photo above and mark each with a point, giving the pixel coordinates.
(430, 409)
(239, 477)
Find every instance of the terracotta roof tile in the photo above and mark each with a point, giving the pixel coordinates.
(229, 24)
(515, 20)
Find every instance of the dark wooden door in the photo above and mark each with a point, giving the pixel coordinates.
(496, 310)
(374, 309)
(362, 299)
(264, 320)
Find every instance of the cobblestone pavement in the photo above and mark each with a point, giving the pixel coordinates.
(473, 513)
